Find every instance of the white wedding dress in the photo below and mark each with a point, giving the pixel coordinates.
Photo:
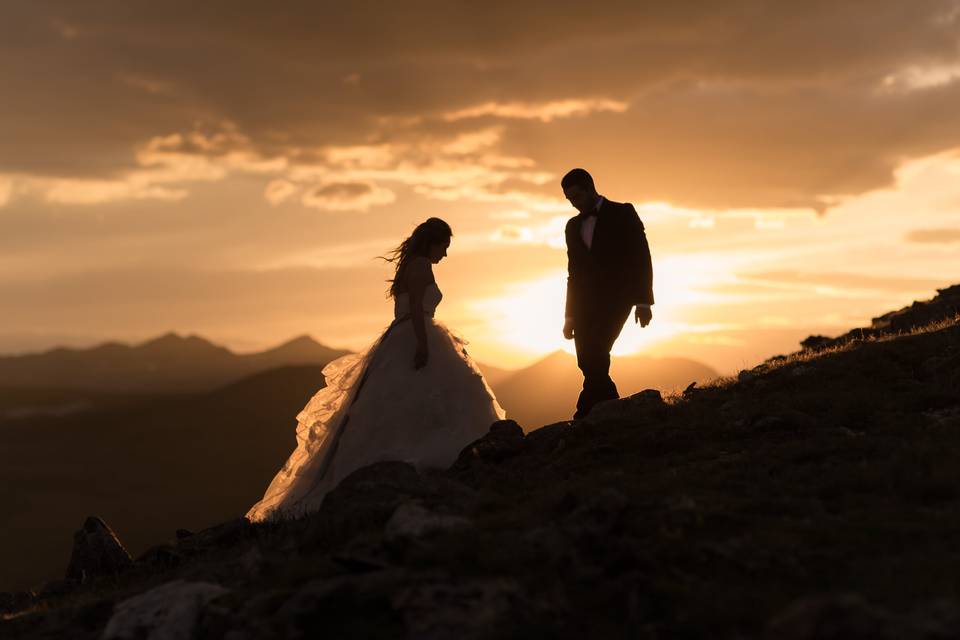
(376, 406)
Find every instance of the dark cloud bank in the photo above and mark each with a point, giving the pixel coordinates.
(744, 103)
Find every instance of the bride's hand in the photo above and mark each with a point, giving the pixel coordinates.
(420, 358)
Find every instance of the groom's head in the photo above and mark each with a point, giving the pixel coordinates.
(579, 190)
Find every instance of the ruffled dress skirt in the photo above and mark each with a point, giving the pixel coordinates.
(377, 407)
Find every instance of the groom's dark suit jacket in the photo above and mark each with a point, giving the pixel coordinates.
(616, 270)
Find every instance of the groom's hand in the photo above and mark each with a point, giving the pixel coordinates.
(568, 328)
(643, 315)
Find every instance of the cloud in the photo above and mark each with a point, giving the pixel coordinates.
(511, 214)
(701, 104)
(544, 112)
(837, 281)
(934, 236)
(449, 166)
(87, 192)
(922, 77)
(461, 164)
(364, 156)
(200, 154)
(347, 196)
(278, 191)
(471, 142)
(150, 85)
(164, 165)
(512, 233)
(548, 233)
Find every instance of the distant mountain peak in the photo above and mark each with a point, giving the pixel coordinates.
(304, 346)
(170, 337)
(172, 341)
(305, 340)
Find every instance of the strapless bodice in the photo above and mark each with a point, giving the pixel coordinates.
(431, 298)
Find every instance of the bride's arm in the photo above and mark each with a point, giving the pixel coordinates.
(419, 275)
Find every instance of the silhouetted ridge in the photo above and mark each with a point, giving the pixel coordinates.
(300, 349)
(175, 344)
(300, 342)
(944, 307)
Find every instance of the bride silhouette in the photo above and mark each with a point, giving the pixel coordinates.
(414, 395)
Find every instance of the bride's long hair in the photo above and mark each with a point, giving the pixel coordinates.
(431, 231)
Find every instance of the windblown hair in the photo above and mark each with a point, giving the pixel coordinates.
(432, 231)
(579, 177)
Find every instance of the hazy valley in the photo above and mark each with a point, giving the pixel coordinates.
(179, 432)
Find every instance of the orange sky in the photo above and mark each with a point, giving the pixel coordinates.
(232, 169)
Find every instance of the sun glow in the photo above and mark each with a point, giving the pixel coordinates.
(528, 317)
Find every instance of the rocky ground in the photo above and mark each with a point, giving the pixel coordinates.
(815, 496)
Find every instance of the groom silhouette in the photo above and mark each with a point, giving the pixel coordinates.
(608, 272)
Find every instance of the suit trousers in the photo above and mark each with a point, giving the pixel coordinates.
(594, 334)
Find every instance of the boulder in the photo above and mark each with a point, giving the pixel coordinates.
(366, 499)
(168, 612)
(626, 409)
(504, 440)
(96, 552)
(378, 482)
(412, 520)
(551, 438)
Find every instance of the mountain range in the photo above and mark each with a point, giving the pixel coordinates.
(168, 363)
(64, 380)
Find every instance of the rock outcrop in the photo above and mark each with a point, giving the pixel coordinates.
(504, 440)
(96, 552)
(944, 307)
(168, 612)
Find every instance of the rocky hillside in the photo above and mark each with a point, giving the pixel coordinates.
(815, 496)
